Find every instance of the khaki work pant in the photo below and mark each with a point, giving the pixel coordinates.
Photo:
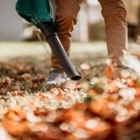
(114, 14)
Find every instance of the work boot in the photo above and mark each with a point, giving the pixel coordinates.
(56, 77)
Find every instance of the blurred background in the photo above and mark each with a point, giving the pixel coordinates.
(13, 28)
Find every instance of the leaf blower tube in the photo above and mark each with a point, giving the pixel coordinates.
(39, 12)
(57, 48)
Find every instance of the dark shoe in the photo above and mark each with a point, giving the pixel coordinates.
(56, 77)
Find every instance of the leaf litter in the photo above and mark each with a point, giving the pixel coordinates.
(95, 108)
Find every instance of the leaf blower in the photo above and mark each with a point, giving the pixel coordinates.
(39, 13)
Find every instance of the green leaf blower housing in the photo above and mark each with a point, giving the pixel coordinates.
(40, 13)
(35, 11)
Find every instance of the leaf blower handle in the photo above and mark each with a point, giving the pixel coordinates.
(56, 46)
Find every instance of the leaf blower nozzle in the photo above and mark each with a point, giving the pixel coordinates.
(56, 46)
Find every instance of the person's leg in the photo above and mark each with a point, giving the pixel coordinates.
(114, 14)
(65, 19)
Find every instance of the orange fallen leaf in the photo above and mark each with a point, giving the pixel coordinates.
(130, 82)
(100, 107)
(16, 128)
(108, 71)
(15, 114)
(112, 87)
(92, 92)
(137, 91)
(58, 92)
